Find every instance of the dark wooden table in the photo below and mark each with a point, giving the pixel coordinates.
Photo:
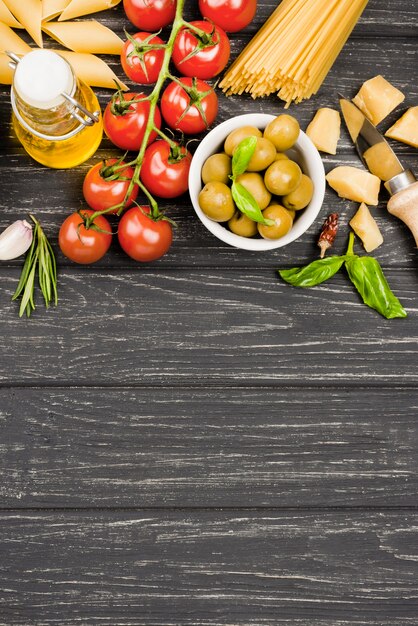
(195, 442)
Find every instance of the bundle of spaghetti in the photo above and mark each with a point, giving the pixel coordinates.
(294, 50)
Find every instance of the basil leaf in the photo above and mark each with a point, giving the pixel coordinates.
(367, 276)
(243, 155)
(247, 204)
(313, 274)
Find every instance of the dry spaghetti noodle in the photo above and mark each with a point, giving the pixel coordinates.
(294, 50)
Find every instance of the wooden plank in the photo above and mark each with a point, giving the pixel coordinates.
(359, 60)
(208, 447)
(245, 327)
(241, 327)
(209, 567)
(394, 18)
(52, 194)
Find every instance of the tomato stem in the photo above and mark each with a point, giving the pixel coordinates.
(152, 98)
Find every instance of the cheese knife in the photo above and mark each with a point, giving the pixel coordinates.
(381, 160)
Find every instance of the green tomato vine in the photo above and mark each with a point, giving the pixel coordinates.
(153, 99)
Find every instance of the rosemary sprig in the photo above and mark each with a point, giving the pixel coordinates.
(40, 256)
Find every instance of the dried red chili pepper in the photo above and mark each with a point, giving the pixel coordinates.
(328, 233)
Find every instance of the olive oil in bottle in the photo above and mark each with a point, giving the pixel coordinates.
(56, 117)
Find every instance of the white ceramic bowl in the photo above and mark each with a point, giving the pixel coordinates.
(304, 152)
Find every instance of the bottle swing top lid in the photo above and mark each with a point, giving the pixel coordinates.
(45, 80)
(42, 77)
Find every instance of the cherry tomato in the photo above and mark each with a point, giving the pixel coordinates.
(83, 245)
(191, 110)
(140, 63)
(202, 56)
(104, 188)
(125, 120)
(231, 15)
(165, 171)
(143, 238)
(150, 14)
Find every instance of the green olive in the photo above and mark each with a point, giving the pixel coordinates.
(263, 156)
(242, 225)
(282, 222)
(281, 156)
(216, 202)
(253, 182)
(282, 177)
(301, 196)
(238, 135)
(217, 168)
(283, 132)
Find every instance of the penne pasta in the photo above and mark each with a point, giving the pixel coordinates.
(89, 36)
(29, 14)
(92, 70)
(78, 8)
(53, 8)
(7, 18)
(9, 40)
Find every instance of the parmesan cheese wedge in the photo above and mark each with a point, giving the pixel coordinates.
(364, 225)
(406, 128)
(324, 130)
(377, 98)
(355, 184)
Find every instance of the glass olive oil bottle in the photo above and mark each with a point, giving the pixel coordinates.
(56, 117)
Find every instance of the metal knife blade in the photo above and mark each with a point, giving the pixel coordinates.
(372, 147)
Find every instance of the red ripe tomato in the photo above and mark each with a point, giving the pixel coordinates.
(140, 63)
(125, 120)
(165, 170)
(202, 56)
(142, 237)
(231, 15)
(104, 188)
(192, 109)
(83, 245)
(150, 14)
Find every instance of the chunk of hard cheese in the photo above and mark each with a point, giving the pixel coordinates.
(377, 98)
(364, 225)
(406, 128)
(324, 130)
(355, 184)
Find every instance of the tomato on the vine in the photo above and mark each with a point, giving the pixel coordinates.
(125, 120)
(105, 187)
(231, 15)
(150, 14)
(81, 244)
(165, 169)
(203, 55)
(190, 107)
(143, 237)
(141, 61)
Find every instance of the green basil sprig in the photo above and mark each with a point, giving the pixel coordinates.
(364, 272)
(367, 276)
(247, 204)
(243, 155)
(244, 200)
(313, 274)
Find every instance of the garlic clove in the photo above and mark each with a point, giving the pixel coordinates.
(15, 240)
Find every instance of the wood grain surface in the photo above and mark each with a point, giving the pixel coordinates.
(210, 568)
(194, 442)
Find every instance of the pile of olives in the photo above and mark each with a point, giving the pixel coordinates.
(270, 173)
